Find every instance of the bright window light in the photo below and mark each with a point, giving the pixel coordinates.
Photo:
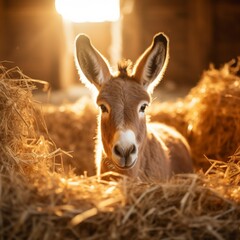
(89, 10)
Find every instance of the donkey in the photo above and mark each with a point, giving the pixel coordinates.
(127, 143)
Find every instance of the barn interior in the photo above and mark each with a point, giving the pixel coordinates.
(48, 120)
(38, 37)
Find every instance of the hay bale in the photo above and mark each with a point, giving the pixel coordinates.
(214, 113)
(43, 204)
(209, 115)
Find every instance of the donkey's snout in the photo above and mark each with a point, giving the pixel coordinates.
(125, 157)
(124, 153)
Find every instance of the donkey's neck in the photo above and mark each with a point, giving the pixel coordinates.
(154, 159)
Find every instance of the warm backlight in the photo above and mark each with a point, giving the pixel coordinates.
(88, 10)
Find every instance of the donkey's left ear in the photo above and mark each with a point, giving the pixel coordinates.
(92, 66)
(151, 65)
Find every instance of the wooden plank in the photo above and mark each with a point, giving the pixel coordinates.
(200, 35)
(2, 32)
(132, 31)
(227, 31)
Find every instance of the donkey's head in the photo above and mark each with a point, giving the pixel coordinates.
(122, 97)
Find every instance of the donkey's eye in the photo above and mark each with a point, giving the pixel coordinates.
(103, 108)
(143, 107)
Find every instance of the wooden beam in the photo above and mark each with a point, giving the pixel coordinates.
(2, 31)
(200, 37)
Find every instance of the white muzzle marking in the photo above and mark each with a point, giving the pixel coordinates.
(125, 149)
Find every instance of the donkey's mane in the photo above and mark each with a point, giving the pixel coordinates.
(125, 68)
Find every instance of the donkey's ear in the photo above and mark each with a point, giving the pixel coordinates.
(92, 66)
(151, 65)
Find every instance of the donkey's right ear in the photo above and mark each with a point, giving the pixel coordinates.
(151, 65)
(91, 65)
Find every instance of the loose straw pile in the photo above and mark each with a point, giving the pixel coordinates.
(73, 128)
(37, 202)
(20, 146)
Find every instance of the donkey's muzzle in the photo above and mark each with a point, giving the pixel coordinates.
(124, 151)
(125, 156)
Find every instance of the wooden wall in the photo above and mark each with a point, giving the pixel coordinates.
(226, 31)
(29, 34)
(200, 31)
(32, 36)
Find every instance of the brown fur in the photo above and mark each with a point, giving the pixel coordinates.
(159, 151)
(156, 160)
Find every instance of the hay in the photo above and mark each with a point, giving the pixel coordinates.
(20, 145)
(209, 116)
(73, 128)
(39, 203)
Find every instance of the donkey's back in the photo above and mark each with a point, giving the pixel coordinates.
(168, 152)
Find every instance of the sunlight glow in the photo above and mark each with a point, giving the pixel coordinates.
(88, 10)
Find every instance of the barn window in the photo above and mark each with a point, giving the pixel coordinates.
(88, 11)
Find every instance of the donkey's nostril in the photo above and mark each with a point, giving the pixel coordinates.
(118, 151)
(132, 149)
